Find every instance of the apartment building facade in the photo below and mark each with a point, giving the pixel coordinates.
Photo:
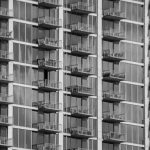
(74, 74)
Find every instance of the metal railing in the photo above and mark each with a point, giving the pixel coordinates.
(82, 6)
(80, 89)
(108, 53)
(6, 55)
(80, 109)
(5, 119)
(108, 94)
(78, 68)
(47, 84)
(82, 27)
(50, 42)
(45, 105)
(49, 63)
(113, 115)
(6, 12)
(47, 146)
(54, 2)
(6, 141)
(6, 77)
(80, 48)
(6, 34)
(49, 126)
(114, 135)
(107, 73)
(50, 21)
(82, 131)
(114, 12)
(111, 32)
(6, 98)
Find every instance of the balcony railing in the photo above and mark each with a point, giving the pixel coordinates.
(6, 35)
(77, 70)
(113, 137)
(5, 142)
(6, 13)
(48, 107)
(78, 148)
(112, 57)
(80, 91)
(50, 127)
(50, 3)
(81, 29)
(47, 85)
(6, 78)
(79, 50)
(82, 8)
(112, 97)
(47, 146)
(81, 132)
(49, 43)
(49, 22)
(81, 111)
(5, 99)
(113, 77)
(113, 14)
(6, 56)
(49, 64)
(5, 120)
(113, 117)
(113, 36)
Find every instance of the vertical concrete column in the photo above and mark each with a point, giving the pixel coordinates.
(61, 76)
(146, 78)
(10, 70)
(99, 74)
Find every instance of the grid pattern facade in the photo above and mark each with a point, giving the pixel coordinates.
(74, 74)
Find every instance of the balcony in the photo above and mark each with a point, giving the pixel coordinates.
(76, 70)
(5, 56)
(49, 43)
(113, 117)
(50, 3)
(113, 77)
(113, 138)
(4, 78)
(48, 107)
(6, 13)
(5, 142)
(5, 99)
(113, 14)
(112, 97)
(81, 29)
(82, 8)
(5, 35)
(112, 57)
(49, 64)
(79, 50)
(47, 146)
(48, 127)
(47, 85)
(113, 36)
(81, 132)
(80, 111)
(49, 22)
(80, 91)
(5, 120)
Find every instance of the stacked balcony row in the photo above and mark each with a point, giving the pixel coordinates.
(114, 35)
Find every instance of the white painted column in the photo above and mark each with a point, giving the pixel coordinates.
(99, 74)
(146, 78)
(10, 71)
(61, 78)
